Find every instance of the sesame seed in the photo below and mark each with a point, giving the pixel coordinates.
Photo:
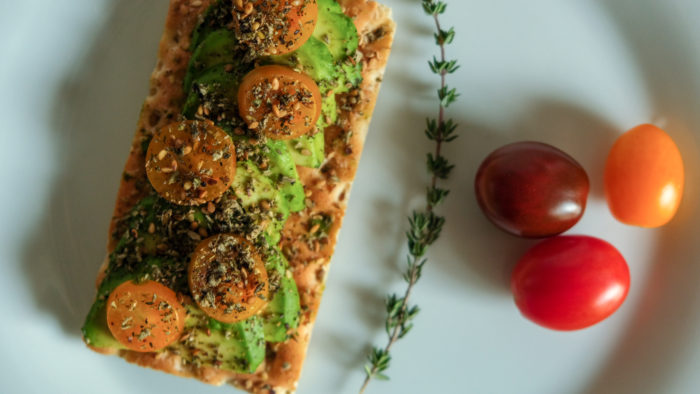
(278, 113)
(248, 9)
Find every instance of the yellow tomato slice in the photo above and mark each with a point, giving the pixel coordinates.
(279, 102)
(275, 27)
(145, 317)
(191, 162)
(228, 279)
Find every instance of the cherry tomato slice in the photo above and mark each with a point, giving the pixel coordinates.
(191, 162)
(228, 279)
(275, 27)
(570, 282)
(145, 317)
(531, 189)
(644, 177)
(279, 102)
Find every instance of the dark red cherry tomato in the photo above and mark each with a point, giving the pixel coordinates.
(570, 282)
(532, 189)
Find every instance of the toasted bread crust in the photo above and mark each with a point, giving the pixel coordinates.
(327, 187)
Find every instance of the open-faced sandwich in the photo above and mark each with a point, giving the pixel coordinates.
(236, 185)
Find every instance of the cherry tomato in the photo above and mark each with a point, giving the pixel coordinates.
(228, 279)
(275, 27)
(191, 162)
(145, 317)
(279, 102)
(570, 282)
(532, 189)
(644, 177)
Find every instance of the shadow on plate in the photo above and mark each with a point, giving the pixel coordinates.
(469, 238)
(93, 119)
(659, 338)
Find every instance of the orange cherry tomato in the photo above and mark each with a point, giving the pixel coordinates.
(644, 177)
(275, 27)
(145, 317)
(279, 102)
(191, 162)
(228, 279)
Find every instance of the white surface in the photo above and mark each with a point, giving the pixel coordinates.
(570, 73)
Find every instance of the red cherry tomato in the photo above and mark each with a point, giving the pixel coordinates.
(532, 189)
(644, 177)
(570, 282)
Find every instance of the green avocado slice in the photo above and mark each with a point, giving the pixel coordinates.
(307, 150)
(219, 47)
(279, 184)
(282, 313)
(336, 30)
(238, 347)
(313, 58)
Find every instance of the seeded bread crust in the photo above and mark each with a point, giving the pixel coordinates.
(327, 188)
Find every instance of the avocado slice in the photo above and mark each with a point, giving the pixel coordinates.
(307, 150)
(217, 16)
(219, 47)
(281, 167)
(238, 347)
(313, 58)
(282, 313)
(279, 184)
(336, 30)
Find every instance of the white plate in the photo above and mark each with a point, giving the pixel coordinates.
(574, 74)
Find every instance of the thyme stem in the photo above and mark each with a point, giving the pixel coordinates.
(425, 226)
(441, 111)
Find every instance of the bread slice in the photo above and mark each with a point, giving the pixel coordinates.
(327, 188)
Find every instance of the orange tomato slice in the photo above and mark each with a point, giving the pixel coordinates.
(279, 102)
(228, 279)
(145, 317)
(275, 27)
(191, 162)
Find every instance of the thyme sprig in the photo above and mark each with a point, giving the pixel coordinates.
(424, 225)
